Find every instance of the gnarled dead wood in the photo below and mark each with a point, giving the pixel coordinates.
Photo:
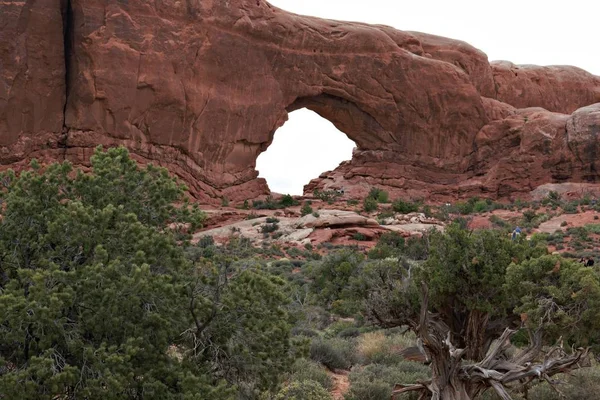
(453, 379)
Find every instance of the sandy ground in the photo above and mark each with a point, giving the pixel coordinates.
(341, 384)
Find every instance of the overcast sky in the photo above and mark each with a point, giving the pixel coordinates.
(547, 32)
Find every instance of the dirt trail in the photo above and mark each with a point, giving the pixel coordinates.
(572, 220)
(340, 384)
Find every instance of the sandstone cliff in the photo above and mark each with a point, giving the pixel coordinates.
(201, 87)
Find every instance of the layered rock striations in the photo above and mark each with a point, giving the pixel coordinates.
(201, 87)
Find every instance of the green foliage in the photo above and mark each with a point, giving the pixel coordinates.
(392, 244)
(269, 227)
(334, 353)
(370, 204)
(270, 204)
(528, 216)
(561, 294)
(570, 207)
(307, 370)
(593, 228)
(359, 236)
(480, 206)
(92, 285)
(303, 390)
(288, 201)
(468, 268)
(553, 199)
(241, 324)
(329, 196)
(350, 332)
(375, 381)
(331, 277)
(498, 222)
(379, 195)
(465, 208)
(306, 208)
(99, 301)
(404, 207)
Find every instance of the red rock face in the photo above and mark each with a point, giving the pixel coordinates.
(32, 78)
(201, 87)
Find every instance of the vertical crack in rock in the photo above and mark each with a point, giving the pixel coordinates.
(67, 21)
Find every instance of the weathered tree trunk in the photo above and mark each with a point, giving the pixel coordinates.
(475, 336)
(453, 379)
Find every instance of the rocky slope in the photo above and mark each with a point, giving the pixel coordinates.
(201, 87)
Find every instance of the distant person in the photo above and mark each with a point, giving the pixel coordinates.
(515, 233)
(590, 262)
(583, 261)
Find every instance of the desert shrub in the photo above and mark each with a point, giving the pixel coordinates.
(328, 196)
(464, 208)
(288, 201)
(352, 202)
(379, 195)
(390, 244)
(306, 208)
(593, 228)
(570, 207)
(301, 331)
(359, 236)
(349, 332)
(382, 347)
(269, 227)
(529, 215)
(497, 221)
(307, 370)
(579, 233)
(371, 345)
(270, 204)
(404, 207)
(366, 389)
(416, 248)
(376, 381)
(294, 252)
(267, 204)
(205, 241)
(481, 206)
(334, 353)
(336, 327)
(385, 214)
(426, 210)
(370, 204)
(303, 390)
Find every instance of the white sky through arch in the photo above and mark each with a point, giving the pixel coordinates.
(304, 147)
(549, 32)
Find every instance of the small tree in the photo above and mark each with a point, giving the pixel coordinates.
(479, 289)
(92, 283)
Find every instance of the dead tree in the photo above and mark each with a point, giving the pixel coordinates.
(454, 378)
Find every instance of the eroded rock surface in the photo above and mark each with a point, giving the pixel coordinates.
(201, 87)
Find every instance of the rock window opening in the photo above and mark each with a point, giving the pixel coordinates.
(303, 148)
